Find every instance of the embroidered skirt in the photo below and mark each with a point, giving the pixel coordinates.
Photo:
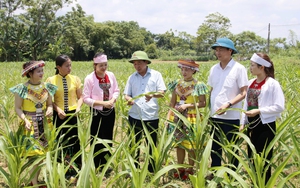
(37, 142)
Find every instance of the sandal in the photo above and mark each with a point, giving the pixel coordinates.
(188, 172)
(178, 174)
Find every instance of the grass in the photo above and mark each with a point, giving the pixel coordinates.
(285, 163)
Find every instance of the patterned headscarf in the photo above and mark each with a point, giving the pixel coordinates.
(33, 66)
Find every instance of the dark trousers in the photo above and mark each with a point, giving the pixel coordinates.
(261, 136)
(227, 127)
(151, 126)
(70, 141)
(102, 127)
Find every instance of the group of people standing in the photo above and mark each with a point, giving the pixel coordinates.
(228, 81)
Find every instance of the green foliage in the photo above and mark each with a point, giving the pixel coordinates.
(285, 162)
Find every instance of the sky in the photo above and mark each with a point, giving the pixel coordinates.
(159, 16)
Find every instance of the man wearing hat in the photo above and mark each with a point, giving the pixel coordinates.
(228, 80)
(149, 84)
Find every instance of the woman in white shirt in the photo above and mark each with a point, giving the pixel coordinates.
(264, 103)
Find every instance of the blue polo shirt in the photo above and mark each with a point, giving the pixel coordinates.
(136, 84)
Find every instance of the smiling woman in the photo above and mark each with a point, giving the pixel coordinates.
(100, 93)
(33, 104)
(67, 102)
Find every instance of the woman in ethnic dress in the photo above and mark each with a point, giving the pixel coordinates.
(67, 101)
(33, 104)
(264, 104)
(187, 94)
(100, 92)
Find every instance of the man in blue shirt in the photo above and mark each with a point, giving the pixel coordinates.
(144, 110)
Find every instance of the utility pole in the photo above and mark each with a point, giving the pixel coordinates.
(268, 42)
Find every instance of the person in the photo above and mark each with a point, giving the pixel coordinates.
(187, 94)
(228, 81)
(67, 101)
(33, 105)
(144, 110)
(100, 92)
(264, 103)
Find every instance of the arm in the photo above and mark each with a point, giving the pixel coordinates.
(172, 104)
(49, 109)
(233, 101)
(80, 99)
(19, 111)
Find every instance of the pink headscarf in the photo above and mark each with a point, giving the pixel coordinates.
(100, 59)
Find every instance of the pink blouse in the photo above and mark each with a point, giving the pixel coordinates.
(92, 91)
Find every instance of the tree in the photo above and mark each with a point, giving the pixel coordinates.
(152, 52)
(293, 38)
(78, 29)
(248, 42)
(214, 26)
(10, 30)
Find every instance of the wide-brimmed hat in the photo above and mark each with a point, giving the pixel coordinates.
(33, 66)
(188, 64)
(139, 55)
(226, 43)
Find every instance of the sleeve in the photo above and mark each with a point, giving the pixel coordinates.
(277, 103)
(51, 88)
(172, 85)
(48, 80)
(116, 89)
(160, 83)
(78, 82)
(127, 90)
(209, 79)
(200, 89)
(87, 91)
(244, 119)
(242, 77)
(20, 89)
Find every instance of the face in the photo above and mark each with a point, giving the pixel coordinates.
(37, 74)
(65, 68)
(187, 73)
(255, 69)
(223, 54)
(100, 68)
(140, 66)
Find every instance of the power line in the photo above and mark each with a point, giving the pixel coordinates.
(286, 25)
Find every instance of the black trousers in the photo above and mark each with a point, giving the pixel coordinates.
(102, 127)
(70, 140)
(261, 136)
(227, 127)
(151, 126)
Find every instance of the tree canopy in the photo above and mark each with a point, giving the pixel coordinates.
(31, 29)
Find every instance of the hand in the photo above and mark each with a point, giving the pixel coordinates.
(242, 127)
(222, 109)
(181, 108)
(49, 112)
(27, 124)
(61, 114)
(148, 97)
(108, 104)
(77, 110)
(130, 102)
(252, 113)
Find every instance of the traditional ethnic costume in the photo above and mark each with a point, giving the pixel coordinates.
(268, 97)
(34, 106)
(187, 92)
(66, 99)
(103, 120)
